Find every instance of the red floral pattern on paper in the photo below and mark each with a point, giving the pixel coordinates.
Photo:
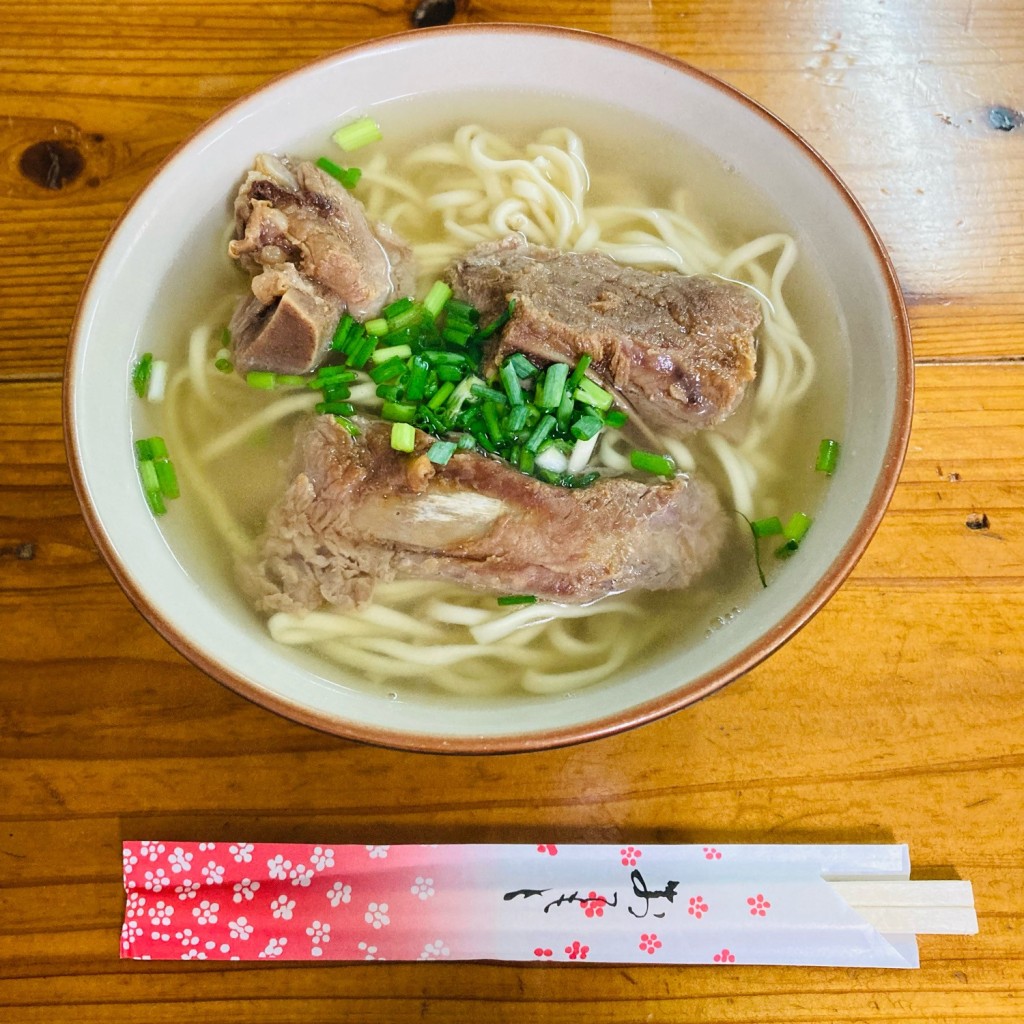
(543, 951)
(759, 906)
(710, 853)
(649, 943)
(630, 855)
(724, 957)
(577, 951)
(697, 908)
(593, 905)
(548, 849)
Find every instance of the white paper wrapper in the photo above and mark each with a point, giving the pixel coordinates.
(756, 904)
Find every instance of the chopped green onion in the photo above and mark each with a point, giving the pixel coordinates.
(398, 412)
(457, 334)
(828, 456)
(488, 394)
(797, 526)
(290, 380)
(648, 462)
(580, 372)
(333, 373)
(388, 370)
(151, 487)
(157, 447)
(347, 425)
(540, 433)
(616, 419)
(382, 355)
(144, 450)
(377, 327)
(141, 372)
(406, 319)
(403, 437)
(360, 352)
(449, 373)
(517, 599)
(523, 367)
(357, 134)
(441, 451)
(348, 176)
(550, 390)
(416, 385)
(263, 380)
(586, 427)
(510, 382)
(466, 442)
(498, 322)
(435, 299)
(517, 418)
(591, 394)
(441, 395)
(223, 364)
(336, 392)
(768, 527)
(167, 477)
(334, 408)
(347, 331)
(398, 306)
(492, 422)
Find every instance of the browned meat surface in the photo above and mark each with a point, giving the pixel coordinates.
(357, 511)
(313, 255)
(680, 350)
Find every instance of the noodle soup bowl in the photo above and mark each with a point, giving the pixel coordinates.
(152, 282)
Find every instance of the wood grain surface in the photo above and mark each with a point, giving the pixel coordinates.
(896, 715)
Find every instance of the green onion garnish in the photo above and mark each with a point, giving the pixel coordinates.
(510, 382)
(441, 395)
(591, 394)
(357, 134)
(586, 427)
(616, 419)
(167, 478)
(334, 408)
(580, 372)
(525, 370)
(552, 387)
(290, 380)
(828, 456)
(403, 437)
(156, 472)
(540, 433)
(794, 530)
(223, 364)
(263, 380)
(648, 462)
(441, 451)
(398, 412)
(498, 322)
(768, 527)
(378, 327)
(435, 299)
(140, 373)
(348, 176)
(388, 370)
(517, 599)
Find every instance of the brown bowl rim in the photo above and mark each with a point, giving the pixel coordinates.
(640, 714)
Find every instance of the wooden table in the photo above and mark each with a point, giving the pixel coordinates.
(895, 716)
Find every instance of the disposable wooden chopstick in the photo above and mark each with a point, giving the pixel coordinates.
(916, 907)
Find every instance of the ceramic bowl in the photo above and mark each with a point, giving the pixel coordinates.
(186, 205)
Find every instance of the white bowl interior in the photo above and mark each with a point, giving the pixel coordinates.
(186, 205)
